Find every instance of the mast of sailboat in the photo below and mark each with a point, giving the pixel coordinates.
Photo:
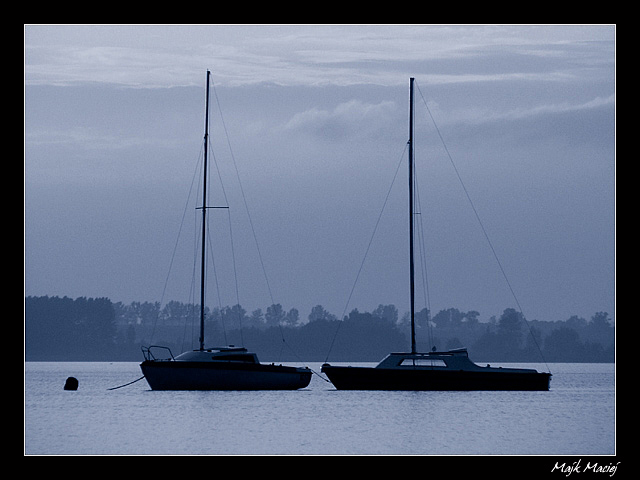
(411, 273)
(204, 215)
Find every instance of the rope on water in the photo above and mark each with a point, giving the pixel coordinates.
(115, 388)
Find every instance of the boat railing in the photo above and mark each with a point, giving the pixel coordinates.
(148, 355)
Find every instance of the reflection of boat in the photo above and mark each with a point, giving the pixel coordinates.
(220, 368)
(450, 370)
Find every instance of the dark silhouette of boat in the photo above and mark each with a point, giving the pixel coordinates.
(220, 368)
(447, 370)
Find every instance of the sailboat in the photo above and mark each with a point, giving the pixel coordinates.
(435, 370)
(218, 368)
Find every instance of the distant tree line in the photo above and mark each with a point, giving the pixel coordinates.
(88, 329)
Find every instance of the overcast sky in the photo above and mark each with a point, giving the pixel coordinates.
(316, 118)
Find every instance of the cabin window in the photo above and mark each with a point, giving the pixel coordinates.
(235, 358)
(423, 362)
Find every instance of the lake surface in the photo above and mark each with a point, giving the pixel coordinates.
(576, 417)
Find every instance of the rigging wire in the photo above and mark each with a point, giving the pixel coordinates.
(215, 278)
(194, 269)
(233, 255)
(209, 236)
(175, 246)
(484, 231)
(244, 198)
(246, 206)
(196, 250)
(423, 258)
(375, 228)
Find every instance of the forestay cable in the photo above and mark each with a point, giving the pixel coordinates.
(175, 246)
(386, 199)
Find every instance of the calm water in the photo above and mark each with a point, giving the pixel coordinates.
(576, 417)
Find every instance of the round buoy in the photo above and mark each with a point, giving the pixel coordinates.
(71, 384)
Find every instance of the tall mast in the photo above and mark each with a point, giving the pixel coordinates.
(204, 215)
(411, 274)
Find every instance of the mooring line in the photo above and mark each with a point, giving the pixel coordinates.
(115, 388)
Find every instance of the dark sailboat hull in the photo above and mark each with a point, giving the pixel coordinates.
(366, 378)
(176, 375)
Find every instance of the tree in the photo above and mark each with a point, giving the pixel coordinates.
(64, 328)
(510, 325)
(387, 312)
(510, 332)
(275, 315)
(422, 318)
(292, 317)
(97, 329)
(176, 313)
(257, 318)
(600, 329)
(471, 318)
(576, 322)
(601, 320)
(234, 316)
(451, 317)
(563, 344)
(533, 344)
(319, 313)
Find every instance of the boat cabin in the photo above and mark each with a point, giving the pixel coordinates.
(456, 359)
(219, 354)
